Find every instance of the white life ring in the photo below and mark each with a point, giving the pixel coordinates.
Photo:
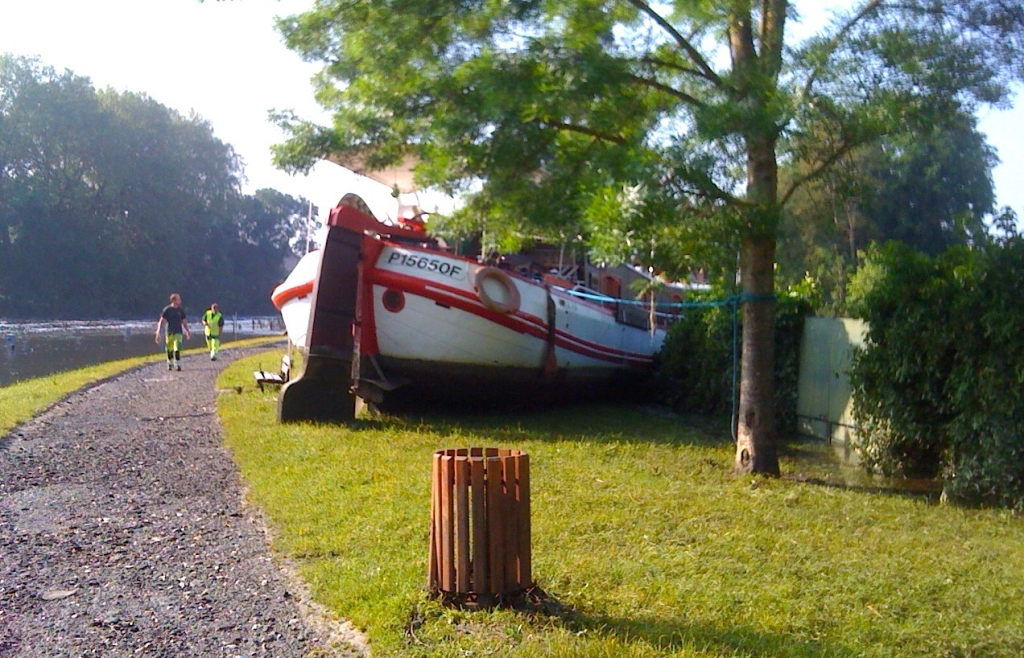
(496, 290)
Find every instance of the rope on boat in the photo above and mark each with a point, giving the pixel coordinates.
(734, 301)
(737, 299)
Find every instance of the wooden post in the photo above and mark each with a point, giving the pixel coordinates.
(480, 524)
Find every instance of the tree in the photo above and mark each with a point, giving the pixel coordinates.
(276, 220)
(933, 191)
(270, 227)
(50, 127)
(930, 189)
(108, 198)
(544, 109)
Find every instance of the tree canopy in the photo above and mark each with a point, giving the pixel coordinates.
(109, 201)
(930, 189)
(657, 126)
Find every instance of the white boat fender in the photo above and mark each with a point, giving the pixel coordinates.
(496, 290)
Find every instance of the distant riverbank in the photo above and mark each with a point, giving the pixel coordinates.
(36, 349)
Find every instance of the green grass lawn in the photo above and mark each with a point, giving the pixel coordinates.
(23, 400)
(643, 540)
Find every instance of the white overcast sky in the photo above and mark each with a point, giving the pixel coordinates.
(225, 61)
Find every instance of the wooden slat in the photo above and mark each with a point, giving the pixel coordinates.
(480, 528)
(495, 526)
(435, 477)
(447, 526)
(480, 556)
(525, 527)
(462, 525)
(511, 544)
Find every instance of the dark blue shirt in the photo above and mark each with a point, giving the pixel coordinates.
(174, 317)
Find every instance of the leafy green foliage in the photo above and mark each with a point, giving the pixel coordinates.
(933, 189)
(938, 387)
(695, 366)
(109, 201)
(930, 189)
(790, 311)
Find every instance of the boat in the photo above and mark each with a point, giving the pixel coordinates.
(294, 297)
(387, 315)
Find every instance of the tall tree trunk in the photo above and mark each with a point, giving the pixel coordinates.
(755, 426)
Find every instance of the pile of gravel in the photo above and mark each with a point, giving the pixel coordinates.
(123, 532)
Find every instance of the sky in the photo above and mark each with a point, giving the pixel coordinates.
(225, 61)
(221, 59)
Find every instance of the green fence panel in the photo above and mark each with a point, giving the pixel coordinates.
(823, 396)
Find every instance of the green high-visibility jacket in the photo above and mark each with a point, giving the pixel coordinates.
(213, 322)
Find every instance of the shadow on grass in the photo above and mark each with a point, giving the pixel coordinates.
(812, 463)
(674, 635)
(678, 634)
(594, 423)
(929, 491)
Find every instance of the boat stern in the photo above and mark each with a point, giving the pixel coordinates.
(323, 392)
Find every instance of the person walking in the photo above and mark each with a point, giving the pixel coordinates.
(174, 315)
(213, 322)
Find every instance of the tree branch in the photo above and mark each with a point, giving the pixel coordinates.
(817, 171)
(647, 59)
(584, 130)
(837, 39)
(672, 91)
(773, 27)
(710, 190)
(741, 41)
(682, 41)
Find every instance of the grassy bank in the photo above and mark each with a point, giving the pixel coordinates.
(645, 543)
(23, 400)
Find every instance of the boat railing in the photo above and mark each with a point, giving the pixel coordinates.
(631, 312)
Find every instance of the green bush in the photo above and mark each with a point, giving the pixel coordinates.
(695, 366)
(790, 312)
(694, 370)
(938, 387)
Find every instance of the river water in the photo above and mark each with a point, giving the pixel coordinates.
(35, 349)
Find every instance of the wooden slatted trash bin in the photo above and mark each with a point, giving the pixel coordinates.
(480, 525)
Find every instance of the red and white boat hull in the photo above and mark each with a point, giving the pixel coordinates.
(425, 323)
(436, 315)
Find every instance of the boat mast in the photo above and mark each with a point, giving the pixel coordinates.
(309, 222)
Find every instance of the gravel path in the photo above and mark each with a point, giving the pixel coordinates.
(123, 532)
